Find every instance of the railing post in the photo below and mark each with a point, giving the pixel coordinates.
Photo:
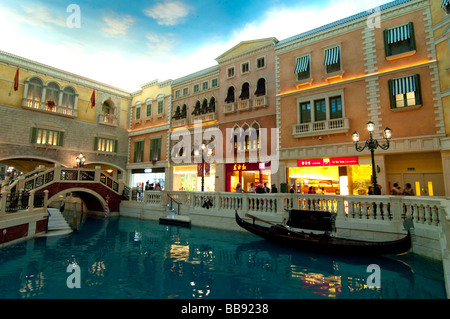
(30, 201)
(396, 207)
(98, 172)
(57, 173)
(5, 191)
(21, 183)
(46, 199)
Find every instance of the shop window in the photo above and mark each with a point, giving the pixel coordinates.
(405, 92)
(399, 40)
(138, 151)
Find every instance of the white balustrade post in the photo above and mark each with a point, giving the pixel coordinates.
(57, 173)
(5, 191)
(98, 172)
(30, 201)
(396, 207)
(46, 199)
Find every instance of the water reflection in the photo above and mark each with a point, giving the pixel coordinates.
(127, 258)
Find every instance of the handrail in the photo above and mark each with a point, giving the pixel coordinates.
(174, 200)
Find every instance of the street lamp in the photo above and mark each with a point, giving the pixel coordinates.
(80, 159)
(209, 152)
(372, 144)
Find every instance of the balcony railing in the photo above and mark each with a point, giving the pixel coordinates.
(208, 117)
(48, 108)
(333, 126)
(108, 119)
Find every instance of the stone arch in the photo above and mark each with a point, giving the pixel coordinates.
(86, 195)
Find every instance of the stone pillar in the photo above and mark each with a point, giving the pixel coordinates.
(445, 156)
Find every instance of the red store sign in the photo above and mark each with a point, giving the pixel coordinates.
(337, 161)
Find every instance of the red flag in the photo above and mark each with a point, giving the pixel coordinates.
(16, 80)
(93, 99)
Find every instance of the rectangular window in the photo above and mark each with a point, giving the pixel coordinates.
(205, 85)
(102, 144)
(185, 91)
(138, 113)
(399, 40)
(245, 67)
(305, 112)
(138, 151)
(214, 83)
(405, 92)
(335, 107)
(230, 72)
(260, 63)
(332, 59)
(196, 88)
(302, 68)
(46, 137)
(155, 149)
(177, 94)
(160, 107)
(149, 109)
(320, 112)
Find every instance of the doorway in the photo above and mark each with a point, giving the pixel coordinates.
(423, 184)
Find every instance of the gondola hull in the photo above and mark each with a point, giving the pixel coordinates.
(325, 243)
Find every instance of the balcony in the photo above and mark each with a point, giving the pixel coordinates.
(208, 117)
(49, 108)
(179, 123)
(334, 126)
(243, 105)
(246, 105)
(260, 101)
(229, 108)
(108, 119)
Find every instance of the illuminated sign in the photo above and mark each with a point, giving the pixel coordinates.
(337, 161)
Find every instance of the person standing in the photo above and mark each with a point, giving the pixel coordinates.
(408, 191)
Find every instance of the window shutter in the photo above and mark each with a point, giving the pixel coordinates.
(418, 90)
(387, 48)
(33, 135)
(158, 142)
(60, 138)
(391, 94)
(116, 145)
(412, 39)
(95, 143)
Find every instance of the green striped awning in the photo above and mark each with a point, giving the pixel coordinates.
(404, 85)
(302, 64)
(399, 34)
(332, 56)
(445, 3)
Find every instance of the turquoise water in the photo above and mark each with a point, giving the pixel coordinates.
(134, 259)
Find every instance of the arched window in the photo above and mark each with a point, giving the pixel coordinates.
(205, 106)
(212, 105)
(230, 95)
(245, 91)
(52, 95)
(261, 87)
(68, 100)
(197, 109)
(34, 94)
(255, 140)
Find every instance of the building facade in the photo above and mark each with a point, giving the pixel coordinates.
(337, 78)
(49, 116)
(148, 159)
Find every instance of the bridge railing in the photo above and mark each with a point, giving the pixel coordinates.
(58, 174)
(22, 201)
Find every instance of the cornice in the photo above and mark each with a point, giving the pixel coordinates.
(149, 130)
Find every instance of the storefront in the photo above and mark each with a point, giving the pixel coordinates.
(189, 177)
(152, 175)
(340, 175)
(246, 173)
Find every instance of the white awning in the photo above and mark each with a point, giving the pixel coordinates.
(404, 85)
(302, 64)
(399, 34)
(332, 56)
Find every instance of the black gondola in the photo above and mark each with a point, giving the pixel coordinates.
(323, 242)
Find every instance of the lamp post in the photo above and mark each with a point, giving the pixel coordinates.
(80, 159)
(372, 144)
(209, 152)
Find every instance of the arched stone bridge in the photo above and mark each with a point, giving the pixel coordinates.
(92, 185)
